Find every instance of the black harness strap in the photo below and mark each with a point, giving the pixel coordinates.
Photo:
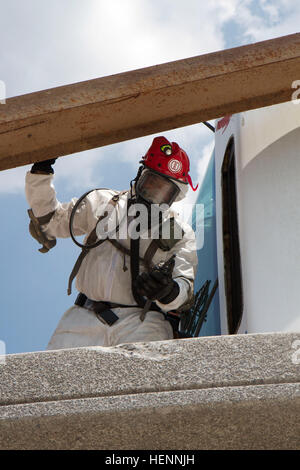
(149, 254)
(135, 270)
(91, 241)
(124, 250)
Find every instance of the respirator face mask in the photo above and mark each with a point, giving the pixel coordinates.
(156, 189)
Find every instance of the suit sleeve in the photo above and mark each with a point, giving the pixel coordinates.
(41, 197)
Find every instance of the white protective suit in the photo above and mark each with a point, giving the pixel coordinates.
(102, 276)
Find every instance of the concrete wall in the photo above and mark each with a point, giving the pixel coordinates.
(228, 392)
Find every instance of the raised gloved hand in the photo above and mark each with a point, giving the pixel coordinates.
(157, 285)
(44, 167)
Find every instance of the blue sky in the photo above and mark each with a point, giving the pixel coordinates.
(48, 44)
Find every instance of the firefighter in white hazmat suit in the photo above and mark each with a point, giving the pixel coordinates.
(121, 297)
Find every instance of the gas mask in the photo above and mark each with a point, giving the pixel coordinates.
(153, 188)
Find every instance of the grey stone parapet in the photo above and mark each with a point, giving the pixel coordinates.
(225, 392)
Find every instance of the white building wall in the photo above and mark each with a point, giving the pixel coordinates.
(267, 144)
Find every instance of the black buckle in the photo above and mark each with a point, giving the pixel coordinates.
(101, 309)
(108, 316)
(80, 299)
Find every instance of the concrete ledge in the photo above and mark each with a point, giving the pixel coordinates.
(229, 392)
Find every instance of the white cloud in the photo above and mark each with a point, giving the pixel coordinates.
(50, 44)
(267, 19)
(130, 34)
(12, 181)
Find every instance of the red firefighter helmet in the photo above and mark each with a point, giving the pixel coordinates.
(168, 159)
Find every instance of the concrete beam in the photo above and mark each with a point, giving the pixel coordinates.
(94, 113)
(226, 392)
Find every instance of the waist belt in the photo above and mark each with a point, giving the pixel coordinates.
(101, 309)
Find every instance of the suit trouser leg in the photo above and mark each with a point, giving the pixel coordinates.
(80, 327)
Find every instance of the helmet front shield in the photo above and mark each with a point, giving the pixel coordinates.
(156, 189)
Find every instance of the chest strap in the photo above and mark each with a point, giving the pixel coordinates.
(90, 242)
(148, 256)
